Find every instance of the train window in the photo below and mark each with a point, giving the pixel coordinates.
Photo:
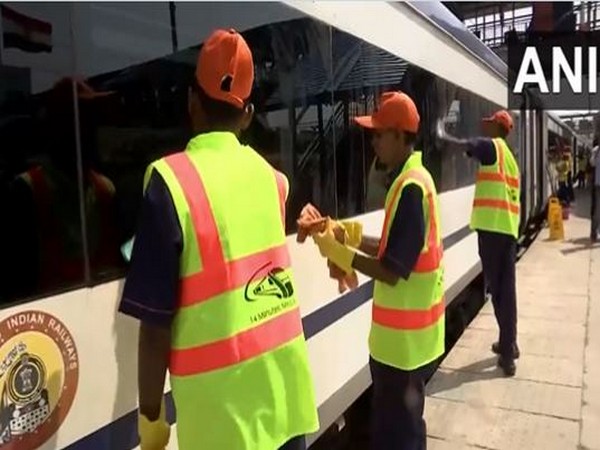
(361, 73)
(43, 247)
(461, 111)
(142, 59)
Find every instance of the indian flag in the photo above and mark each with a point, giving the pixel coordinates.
(24, 32)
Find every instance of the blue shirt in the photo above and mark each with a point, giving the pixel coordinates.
(407, 231)
(152, 285)
(482, 149)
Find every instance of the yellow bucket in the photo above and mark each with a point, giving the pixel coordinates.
(555, 220)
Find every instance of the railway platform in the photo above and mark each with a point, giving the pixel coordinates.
(553, 401)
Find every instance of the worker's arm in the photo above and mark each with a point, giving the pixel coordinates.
(153, 356)
(451, 142)
(150, 292)
(482, 149)
(369, 245)
(374, 268)
(404, 244)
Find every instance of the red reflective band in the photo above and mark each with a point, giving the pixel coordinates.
(429, 260)
(218, 275)
(408, 319)
(498, 177)
(495, 204)
(217, 279)
(511, 181)
(241, 347)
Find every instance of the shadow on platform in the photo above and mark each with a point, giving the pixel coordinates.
(446, 380)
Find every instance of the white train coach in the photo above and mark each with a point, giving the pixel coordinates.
(71, 178)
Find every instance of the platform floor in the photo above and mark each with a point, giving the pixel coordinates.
(553, 402)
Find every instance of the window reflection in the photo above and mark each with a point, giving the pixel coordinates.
(291, 101)
(42, 238)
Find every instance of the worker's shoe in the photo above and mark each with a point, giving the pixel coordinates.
(496, 350)
(508, 366)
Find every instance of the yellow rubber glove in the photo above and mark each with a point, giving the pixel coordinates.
(154, 435)
(331, 249)
(353, 232)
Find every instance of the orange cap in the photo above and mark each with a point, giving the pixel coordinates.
(225, 69)
(396, 111)
(501, 117)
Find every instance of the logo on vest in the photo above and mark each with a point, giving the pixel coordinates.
(269, 283)
(273, 284)
(39, 371)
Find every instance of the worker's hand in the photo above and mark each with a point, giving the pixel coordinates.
(310, 212)
(353, 233)
(331, 249)
(154, 435)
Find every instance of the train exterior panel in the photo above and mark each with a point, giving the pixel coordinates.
(316, 68)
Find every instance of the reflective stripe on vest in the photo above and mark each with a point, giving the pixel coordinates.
(429, 260)
(496, 205)
(220, 276)
(408, 326)
(431, 255)
(408, 319)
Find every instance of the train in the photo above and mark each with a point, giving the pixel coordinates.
(68, 364)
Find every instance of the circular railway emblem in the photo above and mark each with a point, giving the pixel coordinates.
(39, 372)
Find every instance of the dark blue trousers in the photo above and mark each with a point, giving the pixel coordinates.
(398, 404)
(498, 253)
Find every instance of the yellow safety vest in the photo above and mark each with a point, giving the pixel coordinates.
(408, 325)
(239, 368)
(562, 168)
(496, 206)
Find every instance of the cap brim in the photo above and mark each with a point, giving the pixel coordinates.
(365, 122)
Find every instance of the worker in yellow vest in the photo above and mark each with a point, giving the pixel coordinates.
(562, 169)
(495, 217)
(211, 281)
(408, 316)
